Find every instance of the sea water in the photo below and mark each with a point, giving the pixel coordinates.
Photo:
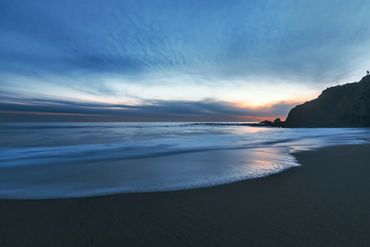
(56, 160)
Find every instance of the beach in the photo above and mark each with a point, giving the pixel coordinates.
(324, 202)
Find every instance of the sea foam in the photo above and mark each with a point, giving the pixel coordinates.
(74, 159)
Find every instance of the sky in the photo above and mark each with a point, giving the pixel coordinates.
(175, 60)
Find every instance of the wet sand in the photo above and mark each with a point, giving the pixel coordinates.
(325, 202)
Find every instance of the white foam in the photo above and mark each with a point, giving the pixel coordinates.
(157, 158)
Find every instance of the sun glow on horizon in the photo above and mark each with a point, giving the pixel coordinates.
(251, 93)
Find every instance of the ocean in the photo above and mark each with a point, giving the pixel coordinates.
(58, 160)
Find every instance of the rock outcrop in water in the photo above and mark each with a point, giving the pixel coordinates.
(340, 106)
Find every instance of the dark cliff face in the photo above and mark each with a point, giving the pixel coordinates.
(341, 106)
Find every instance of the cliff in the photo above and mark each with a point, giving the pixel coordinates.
(340, 106)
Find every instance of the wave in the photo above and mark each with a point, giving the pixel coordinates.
(11, 157)
(37, 162)
(22, 156)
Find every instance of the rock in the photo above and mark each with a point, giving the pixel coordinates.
(340, 106)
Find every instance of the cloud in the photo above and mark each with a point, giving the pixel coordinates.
(314, 40)
(165, 59)
(17, 109)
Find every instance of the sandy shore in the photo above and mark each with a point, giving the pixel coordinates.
(325, 202)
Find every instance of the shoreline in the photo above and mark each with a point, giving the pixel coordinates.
(162, 173)
(323, 202)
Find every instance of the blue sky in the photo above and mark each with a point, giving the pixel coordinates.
(219, 60)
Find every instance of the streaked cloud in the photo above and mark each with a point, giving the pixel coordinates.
(244, 52)
(15, 109)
